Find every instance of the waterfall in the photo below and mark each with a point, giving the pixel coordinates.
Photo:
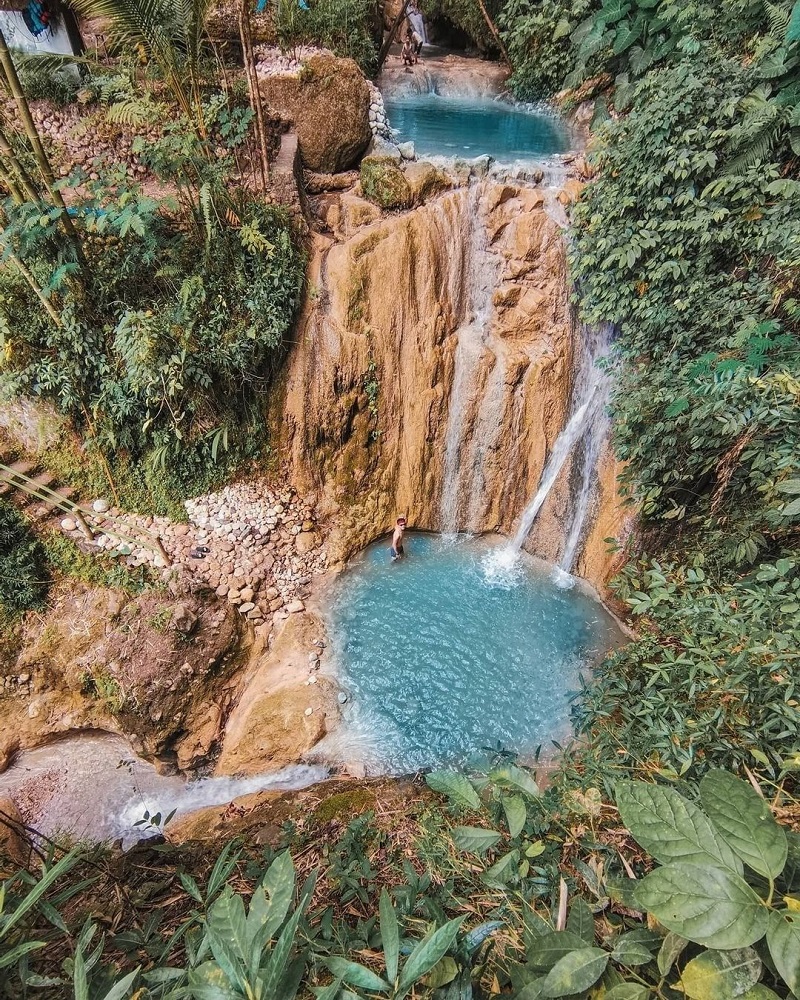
(592, 446)
(460, 470)
(587, 421)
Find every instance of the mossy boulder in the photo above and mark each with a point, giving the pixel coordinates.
(328, 101)
(384, 183)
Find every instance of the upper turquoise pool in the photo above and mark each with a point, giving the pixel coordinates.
(442, 660)
(469, 127)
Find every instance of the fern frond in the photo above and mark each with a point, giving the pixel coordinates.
(134, 112)
(778, 18)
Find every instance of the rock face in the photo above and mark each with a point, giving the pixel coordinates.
(328, 100)
(434, 371)
(105, 661)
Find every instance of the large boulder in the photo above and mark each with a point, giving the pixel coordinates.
(384, 183)
(328, 101)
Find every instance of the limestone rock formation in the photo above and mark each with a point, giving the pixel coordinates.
(279, 717)
(434, 370)
(328, 101)
(102, 660)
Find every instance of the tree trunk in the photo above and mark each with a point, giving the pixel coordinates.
(387, 43)
(21, 175)
(252, 87)
(495, 33)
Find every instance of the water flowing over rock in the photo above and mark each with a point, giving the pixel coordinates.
(434, 371)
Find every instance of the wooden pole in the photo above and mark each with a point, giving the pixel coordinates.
(496, 34)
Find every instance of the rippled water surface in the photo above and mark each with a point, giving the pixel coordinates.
(443, 655)
(469, 127)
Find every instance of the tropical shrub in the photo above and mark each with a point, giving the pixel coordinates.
(167, 336)
(349, 28)
(537, 37)
(23, 571)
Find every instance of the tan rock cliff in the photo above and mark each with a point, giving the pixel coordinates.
(433, 371)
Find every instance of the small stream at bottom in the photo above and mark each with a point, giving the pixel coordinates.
(92, 786)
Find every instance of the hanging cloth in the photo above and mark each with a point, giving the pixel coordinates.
(37, 18)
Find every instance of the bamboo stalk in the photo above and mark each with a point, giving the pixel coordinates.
(7, 151)
(10, 71)
(252, 86)
(28, 276)
(387, 44)
(13, 190)
(491, 25)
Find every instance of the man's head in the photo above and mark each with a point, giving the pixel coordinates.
(401, 521)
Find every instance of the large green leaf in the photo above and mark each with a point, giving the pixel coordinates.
(545, 951)
(227, 936)
(426, 954)
(783, 938)
(516, 814)
(279, 883)
(745, 822)
(628, 951)
(575, 972)
(671, 828)
(627, 991)
(710, 906)
(671, 949)
(209, 982)
(455, 786)
(357, 975)
(475, 839)
(581, 920)
(793, 31)
(390, 936)
(502, 871)
(721, 975)
(511, 776)
(120, 989)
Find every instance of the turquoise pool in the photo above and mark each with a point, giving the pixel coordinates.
(441, 660)
(470, 127)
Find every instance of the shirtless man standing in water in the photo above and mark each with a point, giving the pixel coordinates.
(397, 537)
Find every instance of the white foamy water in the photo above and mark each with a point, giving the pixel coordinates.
(91, 786)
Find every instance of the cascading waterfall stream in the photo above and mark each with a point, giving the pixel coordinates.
(588, 425)
(460, 463)
(565, 442)
(93, 785)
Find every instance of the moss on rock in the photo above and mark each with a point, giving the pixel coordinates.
(384, 183)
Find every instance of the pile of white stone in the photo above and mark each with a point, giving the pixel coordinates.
(378, 119)
(271, 61)
(256, 547)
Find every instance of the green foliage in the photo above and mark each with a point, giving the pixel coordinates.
(537, 37)
(42, 82)
(347, 27)
(714, 903)
(23, 573)
(169, 339)
(711, 680)
(65, 559)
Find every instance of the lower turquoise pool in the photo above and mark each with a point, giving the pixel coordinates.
(443, 661)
